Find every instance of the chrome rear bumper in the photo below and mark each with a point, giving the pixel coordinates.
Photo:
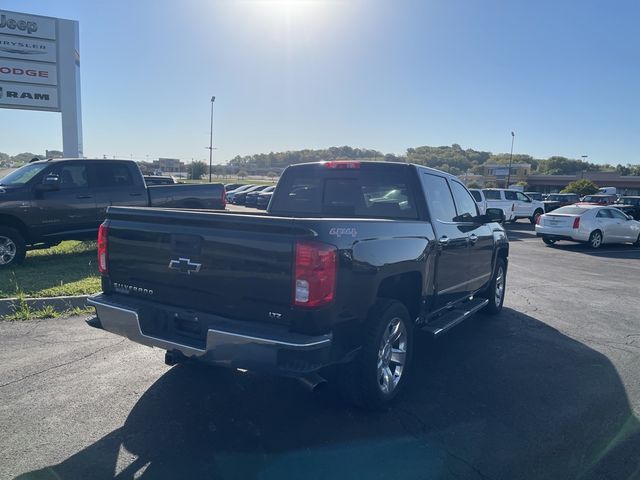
(280, 350)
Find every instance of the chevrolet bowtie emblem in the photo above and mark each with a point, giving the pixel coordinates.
(185, 265)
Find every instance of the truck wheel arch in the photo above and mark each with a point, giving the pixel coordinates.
(405, 288)
(17, 224)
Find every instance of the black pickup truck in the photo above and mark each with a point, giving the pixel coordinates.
(48, 201)
(349, 260)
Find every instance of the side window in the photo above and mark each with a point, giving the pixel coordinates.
(71, 175)
(522, 197)
(465, 204)
(510, 195)
(439, 199)
(492, 194)
(604, 214)
(113, 175)
(618, 214)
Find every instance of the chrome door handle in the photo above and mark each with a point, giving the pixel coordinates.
(443, 240)
(473, 238)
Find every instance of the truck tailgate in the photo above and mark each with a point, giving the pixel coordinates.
(233, 265)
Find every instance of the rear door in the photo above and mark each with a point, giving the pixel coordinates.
(479, 236)
(452, 273)
(69, 211)
(117, 184)
(607, 225)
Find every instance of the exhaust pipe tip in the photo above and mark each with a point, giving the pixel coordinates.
(312, 382)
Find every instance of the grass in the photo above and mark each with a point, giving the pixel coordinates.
(24, 312)
(66, 269)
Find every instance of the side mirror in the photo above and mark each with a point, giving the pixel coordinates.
(49, 183)
(494, 215)
(629, 217)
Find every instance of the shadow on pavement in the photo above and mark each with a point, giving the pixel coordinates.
(501, 397)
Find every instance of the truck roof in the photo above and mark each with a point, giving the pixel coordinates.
(369, 162)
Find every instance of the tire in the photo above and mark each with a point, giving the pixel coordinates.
(595, 239)
(373, 380)
(12, 247)
(637, 243)
(496, 289)
(548, 241)
(535, 216)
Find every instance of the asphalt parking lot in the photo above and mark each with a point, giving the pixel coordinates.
(550, 389)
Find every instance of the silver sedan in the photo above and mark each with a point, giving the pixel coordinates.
(592, 224)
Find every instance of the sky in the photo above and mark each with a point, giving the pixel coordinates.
(382, 74)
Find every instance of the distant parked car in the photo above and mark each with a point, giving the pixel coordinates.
(232, 186)
(252, 197)
(599, 199)
(557, 200)
(159, 180)
(478, 196)
(592, 224)
(629, 205)
(263, 200)
(534, 195)
(241, 197)
(232, 193)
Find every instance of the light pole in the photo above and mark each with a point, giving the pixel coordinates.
(513, 136)
(213, 99)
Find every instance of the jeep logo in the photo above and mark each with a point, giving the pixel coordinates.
(11, 24)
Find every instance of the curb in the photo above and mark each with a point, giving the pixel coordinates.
(60, 304)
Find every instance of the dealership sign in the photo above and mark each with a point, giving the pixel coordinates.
(28, 72)
(40, 70)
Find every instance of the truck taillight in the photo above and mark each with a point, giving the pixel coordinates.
(538, 219)
(576, 223)
(314, 279)
(224, 198)
(513, 207)
(102, 248)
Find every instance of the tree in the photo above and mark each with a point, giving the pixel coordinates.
(242, 173)
(581, 187)
(271, 174)
(473, 185)
(197, 169)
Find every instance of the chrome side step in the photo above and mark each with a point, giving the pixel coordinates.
(452, 318)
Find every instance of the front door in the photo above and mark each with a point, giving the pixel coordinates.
(69, 212)
(452, 274)
(622, 226)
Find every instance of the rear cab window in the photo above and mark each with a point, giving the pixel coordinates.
(476, 195)
(364, 190)
(492, 194)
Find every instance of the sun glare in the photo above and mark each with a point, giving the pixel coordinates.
(291, 10)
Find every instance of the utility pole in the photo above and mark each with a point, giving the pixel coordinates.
(513, 136)
(213, 99)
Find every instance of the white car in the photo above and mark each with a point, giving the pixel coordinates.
(478, 196)
(592, 224)
(514, 204)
